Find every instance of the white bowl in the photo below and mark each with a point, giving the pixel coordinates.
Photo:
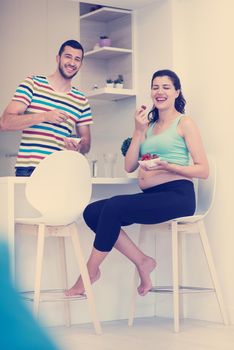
(149, 163)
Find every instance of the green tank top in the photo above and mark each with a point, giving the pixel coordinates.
(168, 145)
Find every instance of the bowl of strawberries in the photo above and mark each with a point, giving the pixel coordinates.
(149, 160)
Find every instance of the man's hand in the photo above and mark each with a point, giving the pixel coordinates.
(72, 144)
(55, 116)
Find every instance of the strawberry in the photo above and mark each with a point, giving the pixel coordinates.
(154, 156)
(148, 156)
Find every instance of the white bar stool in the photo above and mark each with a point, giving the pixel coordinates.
(59, 189)
(187, 225)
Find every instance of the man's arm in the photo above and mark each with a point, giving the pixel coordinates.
(84, 132)
(13, 118)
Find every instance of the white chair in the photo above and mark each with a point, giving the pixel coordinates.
(59, 189)
(187, 225)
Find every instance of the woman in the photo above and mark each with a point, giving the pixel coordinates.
(167, 187)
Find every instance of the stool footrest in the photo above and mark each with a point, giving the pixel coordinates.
(52, 295)
(182, 289)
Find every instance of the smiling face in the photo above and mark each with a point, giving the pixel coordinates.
(163, 93)
(69, 62)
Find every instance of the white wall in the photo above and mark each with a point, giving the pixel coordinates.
(154, 45)
(203, 56)
(113, 122)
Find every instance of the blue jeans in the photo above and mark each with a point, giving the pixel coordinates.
(24, 171)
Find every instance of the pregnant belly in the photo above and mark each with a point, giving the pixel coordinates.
(147, 179)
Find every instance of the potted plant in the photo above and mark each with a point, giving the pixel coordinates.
(104, 40)
(119, 82)
(124, 148)
(125, 145)
(109, 82)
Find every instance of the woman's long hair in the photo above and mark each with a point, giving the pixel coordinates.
(179, 101)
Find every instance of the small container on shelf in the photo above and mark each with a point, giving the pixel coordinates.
(109, 83)
(104, 40)
(118, 83)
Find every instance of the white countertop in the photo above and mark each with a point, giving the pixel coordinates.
(114, 180)
(95, 180)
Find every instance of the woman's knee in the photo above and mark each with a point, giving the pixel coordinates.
(91, 214)
(89, 217)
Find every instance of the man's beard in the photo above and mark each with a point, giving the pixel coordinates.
(68, 77)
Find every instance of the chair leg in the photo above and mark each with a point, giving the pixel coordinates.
(39, 263)
(141, 239)
(133, 298)
(213, 273)
(62, 254)
(85, 276)
(175, 275)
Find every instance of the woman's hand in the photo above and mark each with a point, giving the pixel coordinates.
(141, 119)
(160, 165)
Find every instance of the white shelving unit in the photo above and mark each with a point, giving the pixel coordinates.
(107, 52)
(109, 94)
(101, 63)
(104, 14)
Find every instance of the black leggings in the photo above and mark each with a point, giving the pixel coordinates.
(154, 205)
(24, 171)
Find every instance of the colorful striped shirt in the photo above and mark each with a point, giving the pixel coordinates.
(42, 139)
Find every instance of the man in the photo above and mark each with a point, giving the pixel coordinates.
(47, 109)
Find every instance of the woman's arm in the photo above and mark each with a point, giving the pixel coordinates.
(132, 155)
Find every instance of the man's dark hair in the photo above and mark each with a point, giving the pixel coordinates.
(72, 43)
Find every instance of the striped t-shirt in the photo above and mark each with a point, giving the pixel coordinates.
(42, 139)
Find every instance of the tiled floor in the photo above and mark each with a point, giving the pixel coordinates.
(147, 334)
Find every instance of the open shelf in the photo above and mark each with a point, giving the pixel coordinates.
(109, 94)
(104, 14)
(107, 52)
(102, 63)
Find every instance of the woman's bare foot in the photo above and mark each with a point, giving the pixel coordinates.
(78, 288)
(144, 269)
